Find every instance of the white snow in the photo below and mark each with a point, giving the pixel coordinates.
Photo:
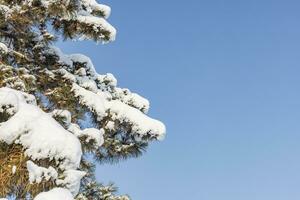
(71, 180)
(87, 16)
(65, 115)
(110, 125)
(5, 10)
(132, 99)
(89, 13)
(141, 123)
(81, 72)
(39, 134)
(8, 103)
(87, 84)
(63, 59)
(66, 75)
(55, 194)
(107, 78)
(92, 5)
(37, 174)
(98, 24)
(14, 169)
(3, 48)
(80, 58)
(89, 79)
(90, 134)
(90, 99)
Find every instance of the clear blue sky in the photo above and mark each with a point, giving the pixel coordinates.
(224, 76)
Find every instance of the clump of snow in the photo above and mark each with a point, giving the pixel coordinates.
(90, 134)
(92, 100)
(132, 99)
(81, 72)
(3, 48)
(98, 24)
(38, 132)
(37, 174)
(66, 75)
(140, 123)
(72, 59)
(71, 180)
(63, 115)
(63, 59)
(107, 79)
(55, 194)
(40, 135)
(89, 15)
(8, 103)
(110, 125)
(5, 10)
(87, 84)
(87, 77)
(92, 5)
(79, 58)
(14, 169)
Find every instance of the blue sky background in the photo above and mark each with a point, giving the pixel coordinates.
(224, 77)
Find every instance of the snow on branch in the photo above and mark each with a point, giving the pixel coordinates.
(45, 95)
(140, 123)
(55, 194)
(40, 135)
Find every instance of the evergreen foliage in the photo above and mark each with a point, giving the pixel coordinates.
(63, 86)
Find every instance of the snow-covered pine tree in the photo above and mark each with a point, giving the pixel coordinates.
(57, 114)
